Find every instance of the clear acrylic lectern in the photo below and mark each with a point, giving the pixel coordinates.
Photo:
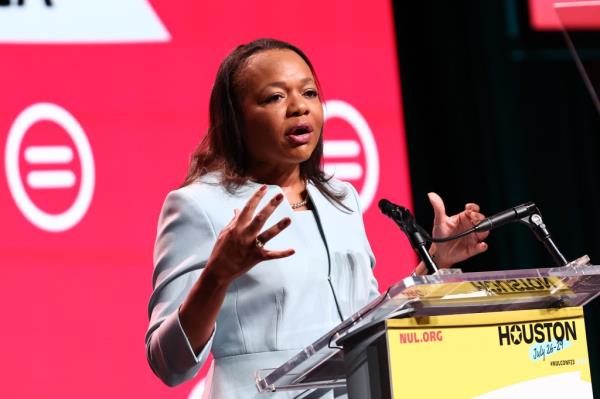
(321, 365)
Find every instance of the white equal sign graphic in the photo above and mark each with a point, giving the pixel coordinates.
(50, 179)
(58, 157)
(342, 149)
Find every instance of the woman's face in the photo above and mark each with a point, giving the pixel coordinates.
(282, 111)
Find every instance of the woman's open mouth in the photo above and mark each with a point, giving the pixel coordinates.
(299, 134)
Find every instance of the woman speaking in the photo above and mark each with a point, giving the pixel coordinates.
(259, 253)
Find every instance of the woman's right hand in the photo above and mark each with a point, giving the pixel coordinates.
(238, 247)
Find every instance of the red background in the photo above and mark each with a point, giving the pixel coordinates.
(74, 313)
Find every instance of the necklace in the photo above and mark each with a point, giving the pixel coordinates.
(299, 204)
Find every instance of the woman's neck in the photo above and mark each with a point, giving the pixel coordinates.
(282, 176)
(288, 178)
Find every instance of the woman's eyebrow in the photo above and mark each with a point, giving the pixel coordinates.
(283, 84)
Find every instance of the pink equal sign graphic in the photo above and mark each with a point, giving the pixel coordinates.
(349, 149)
(49, 167)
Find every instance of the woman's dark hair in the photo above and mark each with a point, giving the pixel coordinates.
(222, 148)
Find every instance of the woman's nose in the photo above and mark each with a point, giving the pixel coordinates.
(297, 106)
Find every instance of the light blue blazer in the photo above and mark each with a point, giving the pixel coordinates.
(271, 312)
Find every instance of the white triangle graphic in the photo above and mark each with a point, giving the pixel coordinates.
(81, 21)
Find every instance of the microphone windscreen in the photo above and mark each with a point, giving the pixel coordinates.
(386, 207)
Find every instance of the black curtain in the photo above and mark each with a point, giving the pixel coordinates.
(496, 118)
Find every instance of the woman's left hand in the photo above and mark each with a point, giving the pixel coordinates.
(448, 253)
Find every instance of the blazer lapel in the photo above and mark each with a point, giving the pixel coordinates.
(321, 205)
(324, 214)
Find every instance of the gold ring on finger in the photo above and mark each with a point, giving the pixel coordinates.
(259, 244)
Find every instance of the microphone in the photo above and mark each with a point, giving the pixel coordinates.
(393, 211)
(530, 215)
(510, 215)
(417, 236)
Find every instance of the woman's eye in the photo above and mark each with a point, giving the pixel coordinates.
(273, 98)
(311, 93)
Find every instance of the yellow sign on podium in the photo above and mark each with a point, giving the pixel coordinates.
(515, 354)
